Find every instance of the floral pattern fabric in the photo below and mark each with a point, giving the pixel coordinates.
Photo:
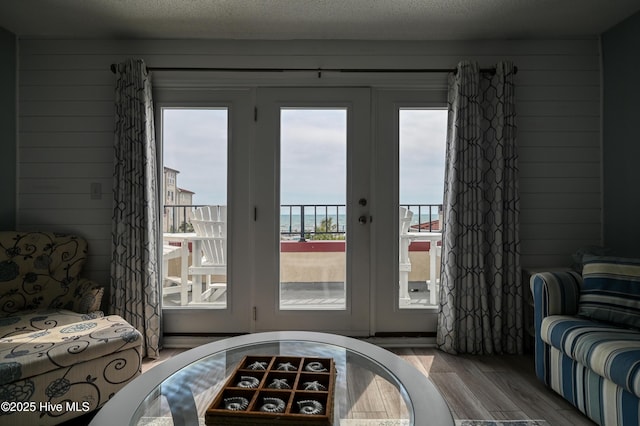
(56, 346)
(86, 385)
(41, 270)
(33, 321)
(31, 354)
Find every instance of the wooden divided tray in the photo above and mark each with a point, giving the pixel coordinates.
(276, 390)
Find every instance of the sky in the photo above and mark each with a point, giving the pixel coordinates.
(313, 154)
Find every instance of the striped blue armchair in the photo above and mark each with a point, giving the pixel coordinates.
(587, 345)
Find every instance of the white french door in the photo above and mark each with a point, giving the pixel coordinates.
(310, 181)
(206, 139)
(312, 224)
(409, 169)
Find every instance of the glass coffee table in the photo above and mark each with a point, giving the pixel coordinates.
(371, 383)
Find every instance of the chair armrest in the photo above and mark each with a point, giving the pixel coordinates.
(555, 293)
(88, 296)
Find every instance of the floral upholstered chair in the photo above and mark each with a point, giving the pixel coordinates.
(60, 356)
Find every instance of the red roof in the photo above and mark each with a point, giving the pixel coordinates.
(434, 225)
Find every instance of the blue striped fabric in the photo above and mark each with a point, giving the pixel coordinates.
(598, 398)
(609, 351)
(554, 293)
(593, 365)
(611, 290)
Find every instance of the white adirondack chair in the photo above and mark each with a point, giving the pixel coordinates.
(210, 226)
(174, 284)
(435, 252)
(405, 264)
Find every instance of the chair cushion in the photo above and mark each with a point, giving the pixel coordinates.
(31, 354)
(31, 321)
(611, 290)
(39, 270)
(609, 351)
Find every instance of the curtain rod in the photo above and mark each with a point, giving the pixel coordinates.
(320, 70)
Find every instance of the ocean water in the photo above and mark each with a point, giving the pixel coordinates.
(292, 223)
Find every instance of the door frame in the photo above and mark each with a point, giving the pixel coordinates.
(192, 89)
(239, 103)
(390, 318)
(355, 319)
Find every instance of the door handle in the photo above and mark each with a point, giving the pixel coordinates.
(363, 219)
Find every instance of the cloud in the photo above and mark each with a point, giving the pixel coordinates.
(313, 154)
(422, 137)
(195, 143)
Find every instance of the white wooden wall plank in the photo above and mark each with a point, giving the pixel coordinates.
(76, 78)
(41, 138)
(558, 108)
(561, 260)
(584, 200)
(66, 108)
(63, 200)
(89, 216)
(84, 172)
(529, 137)
(560, 154)
(66, 155)
(559, 170)
(526, 91)
(559, 124)
(565, 185)
(102, 91)
(68, 185)
(66, 124)
(560, 248)
(574, 231)
(524, 61)
(574, 47)
(550, 214)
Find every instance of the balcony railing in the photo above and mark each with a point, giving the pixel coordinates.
(311, 235)
(176, 217)
(303, 222)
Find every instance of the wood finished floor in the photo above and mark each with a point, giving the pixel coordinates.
(500, 387)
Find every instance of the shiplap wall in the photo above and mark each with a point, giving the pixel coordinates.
(66, 123)
(8, 61)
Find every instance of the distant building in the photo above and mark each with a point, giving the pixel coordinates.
(175, 219)
(185, 198)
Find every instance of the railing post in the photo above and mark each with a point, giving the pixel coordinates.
(302, 239)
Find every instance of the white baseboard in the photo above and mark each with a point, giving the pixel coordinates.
(182, 342)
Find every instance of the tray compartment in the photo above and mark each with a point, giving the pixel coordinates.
(303, 403)
(286, 363)
(250, 361)
(264, 398)
(243, 377)
(273, 378)
(220, 404)
(316, 365)
(217, 415)
(318, 382)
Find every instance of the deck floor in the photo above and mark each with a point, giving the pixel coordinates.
(310, 296)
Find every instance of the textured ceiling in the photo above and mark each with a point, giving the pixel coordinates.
(314, 19)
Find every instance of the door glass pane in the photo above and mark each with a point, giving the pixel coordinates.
(194, 267)
(422, 140)
(313, 215)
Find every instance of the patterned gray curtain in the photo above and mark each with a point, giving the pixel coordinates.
(134, 266)
(481, 287)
